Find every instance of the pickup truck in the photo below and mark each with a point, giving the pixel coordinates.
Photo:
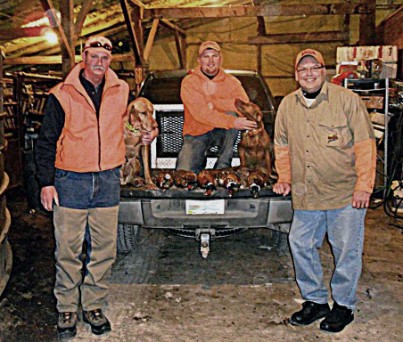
(191, 213)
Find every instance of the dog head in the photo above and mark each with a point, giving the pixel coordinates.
(249, 110)
(140, 115)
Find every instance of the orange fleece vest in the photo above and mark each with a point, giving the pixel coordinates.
(89, 144)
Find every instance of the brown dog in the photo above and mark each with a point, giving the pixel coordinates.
(254, 147)
(139, 119)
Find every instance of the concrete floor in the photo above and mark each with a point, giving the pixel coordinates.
(243, 292)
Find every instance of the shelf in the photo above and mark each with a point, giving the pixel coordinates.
(375, 95)
(34, 112)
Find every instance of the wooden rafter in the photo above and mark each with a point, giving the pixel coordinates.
(150, 40)
(173, 27)
(134, 30)
(303, 37)
(44, 60)
(355, 7)
(47, 4)
(11, 34)
(180, 43)
(78, 26)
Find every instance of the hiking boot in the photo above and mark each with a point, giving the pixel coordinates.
(97, 320)
(67, 325)
(310, 312)
(337, 319)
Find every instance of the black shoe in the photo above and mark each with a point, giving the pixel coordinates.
(337, 319)
(67, 325)
(310, 312)
(97, 320)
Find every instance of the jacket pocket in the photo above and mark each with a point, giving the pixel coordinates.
(336, 135)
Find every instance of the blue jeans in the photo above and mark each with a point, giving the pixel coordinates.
(88, 189)
(345, 231)
(192, 156)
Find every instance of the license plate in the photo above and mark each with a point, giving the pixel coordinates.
(211, 207)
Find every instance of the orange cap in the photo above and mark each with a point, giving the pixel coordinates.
(310, 52)
(209, 45)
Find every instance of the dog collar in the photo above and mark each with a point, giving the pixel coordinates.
(131, 128)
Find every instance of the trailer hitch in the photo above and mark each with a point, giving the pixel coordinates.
(205, 236)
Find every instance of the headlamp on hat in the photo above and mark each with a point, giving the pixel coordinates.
(99, 42)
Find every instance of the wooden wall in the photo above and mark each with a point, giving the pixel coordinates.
(274, 61)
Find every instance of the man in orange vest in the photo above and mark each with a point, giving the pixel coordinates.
(79, 153)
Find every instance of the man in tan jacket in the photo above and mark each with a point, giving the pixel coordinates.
(325, 152)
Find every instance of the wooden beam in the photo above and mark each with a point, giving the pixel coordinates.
(261, 25)
(287, 38)
(11, 34)
(78, 25)
(150, 40)
(181, 49)
(355, 7)
(67, 21)
(166, 23)
(43, 60)
(132, 28)
(48, 5)
(368, 25)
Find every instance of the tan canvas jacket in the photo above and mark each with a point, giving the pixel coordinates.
(326, 151)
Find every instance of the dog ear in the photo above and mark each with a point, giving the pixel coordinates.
(150, 107)
(130, 110)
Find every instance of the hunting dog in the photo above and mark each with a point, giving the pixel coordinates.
(254, 147)
(139, 119)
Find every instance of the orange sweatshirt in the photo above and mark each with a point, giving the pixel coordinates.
(207, 101)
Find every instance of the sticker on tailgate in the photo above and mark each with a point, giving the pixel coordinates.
(195, 207)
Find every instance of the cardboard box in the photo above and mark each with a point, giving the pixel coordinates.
(353, 55)
(386, 53)
(373, 102)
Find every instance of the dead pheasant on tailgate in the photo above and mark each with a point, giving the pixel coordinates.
(257, 180)
(228, 179)
(163, 179)
(207, 180)
(185, 179)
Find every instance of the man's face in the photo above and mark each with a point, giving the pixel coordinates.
(210, 61)
(96, 63)
(310, 74)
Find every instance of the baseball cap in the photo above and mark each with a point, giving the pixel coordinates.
(98, 42)
(309, 52)
(209, 45)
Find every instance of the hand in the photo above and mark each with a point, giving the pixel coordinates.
(361, 199)
(48, 195)
(148, 137)
(244, 123)
(282, 188)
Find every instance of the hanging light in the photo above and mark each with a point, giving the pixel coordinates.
(51, 36)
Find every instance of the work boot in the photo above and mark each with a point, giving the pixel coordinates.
(97, 320)
(67, 325)
(337, 319)
(310, 312)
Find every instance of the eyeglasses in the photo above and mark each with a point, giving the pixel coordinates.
(106, 46)
(315, 69)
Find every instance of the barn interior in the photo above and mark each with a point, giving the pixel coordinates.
(41, 40)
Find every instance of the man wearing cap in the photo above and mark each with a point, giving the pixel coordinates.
(79, 153)
(208, 96)
(325, 152)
